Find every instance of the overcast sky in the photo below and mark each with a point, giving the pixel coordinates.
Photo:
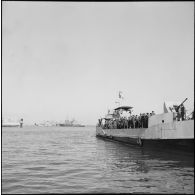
(69, 59)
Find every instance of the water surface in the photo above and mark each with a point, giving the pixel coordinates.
(73, 160)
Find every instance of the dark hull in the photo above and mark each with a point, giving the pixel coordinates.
(10, 125)
(78, 125)
(170, 144)
(64, 125)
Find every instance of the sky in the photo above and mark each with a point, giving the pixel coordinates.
(64, 60)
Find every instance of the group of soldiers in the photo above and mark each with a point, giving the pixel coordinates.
(139, 121)
(132, 122)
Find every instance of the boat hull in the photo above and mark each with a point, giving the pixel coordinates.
(170, 144)
(64, 125)
(10, 125)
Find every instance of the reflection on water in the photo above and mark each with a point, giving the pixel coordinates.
(73, 160)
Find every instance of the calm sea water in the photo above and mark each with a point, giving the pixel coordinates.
(73, 160)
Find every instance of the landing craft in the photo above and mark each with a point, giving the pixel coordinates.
(165, 130)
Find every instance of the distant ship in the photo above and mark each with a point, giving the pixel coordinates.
(8, 123)
(69, 123)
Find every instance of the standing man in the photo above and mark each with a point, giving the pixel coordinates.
(182, 112)
(21, 122)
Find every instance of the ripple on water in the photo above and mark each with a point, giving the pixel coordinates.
(71, 160)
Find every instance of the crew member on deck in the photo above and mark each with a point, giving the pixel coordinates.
(182, 112)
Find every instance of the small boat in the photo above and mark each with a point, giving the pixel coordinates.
(71, 123)
(11, 123)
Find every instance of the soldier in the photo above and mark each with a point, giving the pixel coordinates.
(139, 121)
(146, 120)
(178, 113)
(133, 121)
(129, 122)
(182, 112)
(100, 122)
(142, 121)
(115, 124)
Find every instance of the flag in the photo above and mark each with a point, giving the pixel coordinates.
(120, 95)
